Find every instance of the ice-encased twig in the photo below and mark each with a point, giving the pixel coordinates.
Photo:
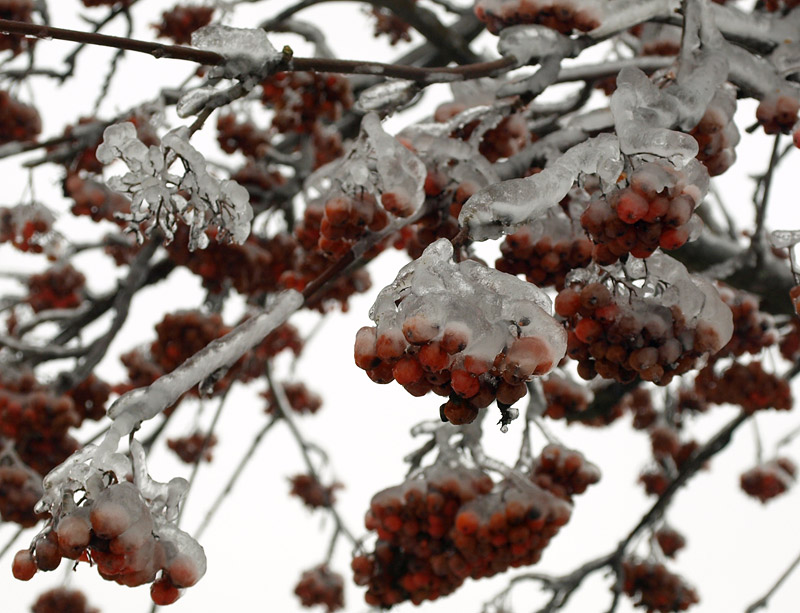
(503, 207)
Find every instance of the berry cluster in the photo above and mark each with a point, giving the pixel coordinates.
(564, 16)
(656, 209)
(117, 533)
(564, 398)
(321, 586)
(301, 399)
(263, 183)
(18, 122)
(563, 472)
(780, 5)
(179, 23)
(20, 490)
(769, 479)
(16, 10)
(302, 99)
(414, 558)
(347, 218)
(390, 25)
(90, 397)
(504, 140)
(748, 386)
(653, 587)
(94, 199)
(546, 251)
(313, 494)
(28, 407)
(62, 600)
(193, 448)
(464, 331)
(753, 329)
(717, 134)
(669, 540)
(671, 455)
(59, 287)
(181, 335)
(790, 340)
(794, 294)
(252, 268)
(777, 113)
(236, 136)
(630, 332)
(640, 403)
(26, 227)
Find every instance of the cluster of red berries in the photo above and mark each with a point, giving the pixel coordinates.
(19, 122)
(116, 532)
(26, 227)
(252, 268)
(234, 136)
(301, 399)
(794, 294)
(717, 134)
(658, 39)
(623, 337)
(563, 472)
(390, 25)
(560, 15)
(262, 182)
(640, 403)
(671, 455)
(504, 140)
(777, 113)
(62, 600)
(179, 23)
(321, 586)
(347, 218)
(181, 335)
(780, 5)
(59, 287)
(753, 329)
(790, 340)
(564, 398)
(670, 541)
(94, 199)
(193, 448)
(301, 99)
(653, 211)
(654, 588)
(20, 490)
(327, 145)
(544, 259)
(749, 386)
(16, 10)
(90, 397)
(27, 407)
(313, 494)
(769, 479)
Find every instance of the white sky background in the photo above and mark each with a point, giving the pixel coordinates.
(262, 540)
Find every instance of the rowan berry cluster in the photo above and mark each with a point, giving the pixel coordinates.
(790, 340)
(27, 227)
(670, 454)
(753, 329)
(302, 99)
(546, 251)
(301, 399)
(717, 134)
(429, 339)
(94, 199)
(654, 588)
(749, 386)
(62, 600)
(20, 490)
(321, 586)
(563, 472)
(564, 397)
(16, 10)
(234, 136)
(313, 494)
(346, 218)
(415, 558)
(769, 479)
(777, 113)
(627, 332)
(90, 397)
(640, 403)
(670, 541)
(117, 533)
(564, 16)
(179, 23)
(181, 335)
(655, 209)
(19, 122)
(59, 287)
(193, 448)
(508, 137)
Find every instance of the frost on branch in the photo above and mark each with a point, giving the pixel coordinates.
(462, 330)
(157, 195)
(247, 51)
(503, 207)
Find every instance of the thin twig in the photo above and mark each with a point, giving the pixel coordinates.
(764, 600)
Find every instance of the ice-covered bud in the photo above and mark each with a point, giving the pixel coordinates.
(116, 138)
(246, 50)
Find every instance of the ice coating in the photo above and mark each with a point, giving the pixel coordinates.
(387, 96)
(782, 239)
(193, 102)
(156, 193)
(531, 42)
(246, 50)
(503, 207)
